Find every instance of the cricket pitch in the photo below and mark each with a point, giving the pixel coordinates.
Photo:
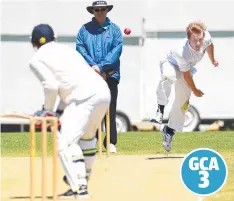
(127, 178)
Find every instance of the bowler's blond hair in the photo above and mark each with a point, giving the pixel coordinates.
(195, 27)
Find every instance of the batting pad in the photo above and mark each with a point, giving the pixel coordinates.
(89, 151)
(73, 163)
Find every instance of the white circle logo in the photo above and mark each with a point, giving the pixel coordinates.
(204, 171)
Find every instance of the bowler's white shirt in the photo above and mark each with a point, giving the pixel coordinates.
(64, 72)
(184, 57)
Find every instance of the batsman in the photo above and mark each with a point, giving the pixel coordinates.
(85, 98)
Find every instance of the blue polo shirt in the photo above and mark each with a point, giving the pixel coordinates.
(101, 46)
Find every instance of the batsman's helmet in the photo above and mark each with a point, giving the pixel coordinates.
(42, 34)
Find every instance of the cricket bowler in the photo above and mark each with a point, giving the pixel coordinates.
(84, 94)
(178, 69)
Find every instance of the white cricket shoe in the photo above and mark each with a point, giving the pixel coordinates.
(113, 149)
(167, 139)
(158, 118)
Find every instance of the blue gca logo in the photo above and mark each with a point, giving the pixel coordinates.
(204, 171)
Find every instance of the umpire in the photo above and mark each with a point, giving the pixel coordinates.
(100, 42)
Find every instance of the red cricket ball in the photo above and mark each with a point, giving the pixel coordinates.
(127, 31)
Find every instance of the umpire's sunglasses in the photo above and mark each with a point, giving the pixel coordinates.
(100, 10)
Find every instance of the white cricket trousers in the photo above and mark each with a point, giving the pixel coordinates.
(81, 118)
(76, 141)
(171, 75)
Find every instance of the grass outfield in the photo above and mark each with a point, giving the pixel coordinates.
(139, 143)
(17, 144)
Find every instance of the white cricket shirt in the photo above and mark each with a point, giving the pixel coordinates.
(184, 57)
(63, 72)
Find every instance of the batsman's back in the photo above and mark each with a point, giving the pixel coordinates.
(74, 77)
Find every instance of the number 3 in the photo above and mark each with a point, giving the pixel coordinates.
(204, 178)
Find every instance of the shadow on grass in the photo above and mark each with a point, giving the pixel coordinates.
(28, 197)
(164, 157)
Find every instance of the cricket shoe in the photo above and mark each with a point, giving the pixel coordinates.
(68, 195)
(167, 139)
(158, 118)
(83, 192)
(113, 149)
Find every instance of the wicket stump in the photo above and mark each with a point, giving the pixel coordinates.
(53, 123)
(107, 135)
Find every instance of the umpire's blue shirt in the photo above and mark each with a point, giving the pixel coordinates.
(101, 46)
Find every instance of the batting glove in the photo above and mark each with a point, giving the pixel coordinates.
(45, 113)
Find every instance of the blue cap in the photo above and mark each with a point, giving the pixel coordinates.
(42, 34)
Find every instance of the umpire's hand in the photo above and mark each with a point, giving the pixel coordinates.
(97, 70)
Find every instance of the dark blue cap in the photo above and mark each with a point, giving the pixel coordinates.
(42, 34)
